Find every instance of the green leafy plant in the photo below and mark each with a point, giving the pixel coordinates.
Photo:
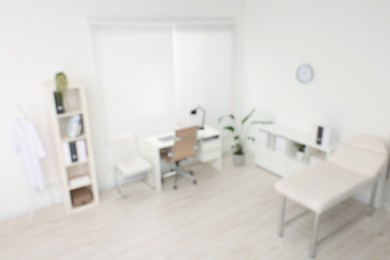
(239, 130)
(300, 147)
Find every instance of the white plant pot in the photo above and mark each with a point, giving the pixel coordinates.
(238, 159)
(299, 156)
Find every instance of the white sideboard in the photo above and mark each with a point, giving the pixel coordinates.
(276, 149)
(276, 152)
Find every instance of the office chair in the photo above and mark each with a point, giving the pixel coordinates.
(128, 164)
(183, 148)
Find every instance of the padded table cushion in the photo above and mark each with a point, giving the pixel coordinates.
(361, 161)
(352, 166)
(322, 186)
(370, 143)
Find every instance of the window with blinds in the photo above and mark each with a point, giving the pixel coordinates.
(204, 70)
(152, 76)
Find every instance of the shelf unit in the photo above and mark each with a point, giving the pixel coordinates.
(78, 175)
(276, 149)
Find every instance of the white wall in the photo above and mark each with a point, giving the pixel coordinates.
(42, 37)
(346, 42)
(348, 45)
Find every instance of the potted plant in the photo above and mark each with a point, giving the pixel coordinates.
(239, 130)
(300, 151)
(61, 87)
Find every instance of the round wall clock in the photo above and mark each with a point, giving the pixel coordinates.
(305, 73)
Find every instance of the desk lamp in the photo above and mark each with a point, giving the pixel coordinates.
(194, 111)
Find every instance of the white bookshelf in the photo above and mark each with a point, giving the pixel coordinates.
(78, 175)
(276, 149)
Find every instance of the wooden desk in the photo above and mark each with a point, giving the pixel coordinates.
(209, 151)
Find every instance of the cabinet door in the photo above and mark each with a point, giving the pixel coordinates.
(209, 149)
(278, 164)
(262, 150)
(263, 156)
(279, 155)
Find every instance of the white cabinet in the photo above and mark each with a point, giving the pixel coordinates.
(277, 149)
(209, 149)
(74, 148)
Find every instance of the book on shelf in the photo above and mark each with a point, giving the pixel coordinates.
(59, 102)
(73, 152)
(81, 150)
(67, 156)
(70, 152)
(74, 126)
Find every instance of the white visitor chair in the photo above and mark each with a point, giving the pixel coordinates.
(128, 164)
(353, 165)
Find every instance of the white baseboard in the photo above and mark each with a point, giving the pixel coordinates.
(25, 211)
(387, 206)
(37, 200)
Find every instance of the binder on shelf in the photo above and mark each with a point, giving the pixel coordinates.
(320, 132)
(81, 150)
(74, 126)
(59, 102)
(67, 155)
(73, 152)
(70, 152)
(322, 135)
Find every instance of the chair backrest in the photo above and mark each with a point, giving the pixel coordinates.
(365, 155)
(124, 147)
(185, 142)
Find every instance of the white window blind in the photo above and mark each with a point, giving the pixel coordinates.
(204, 70)
(135, 66)
(152, 76)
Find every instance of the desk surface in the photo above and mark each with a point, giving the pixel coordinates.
(166, 140)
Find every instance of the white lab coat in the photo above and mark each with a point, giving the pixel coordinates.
(30, 150)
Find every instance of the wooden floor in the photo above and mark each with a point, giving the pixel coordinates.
(228, 215)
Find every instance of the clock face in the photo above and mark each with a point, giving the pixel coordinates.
(305, 73)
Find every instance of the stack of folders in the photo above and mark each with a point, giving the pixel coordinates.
(75, 152)
(79, 181)
(74, 126)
